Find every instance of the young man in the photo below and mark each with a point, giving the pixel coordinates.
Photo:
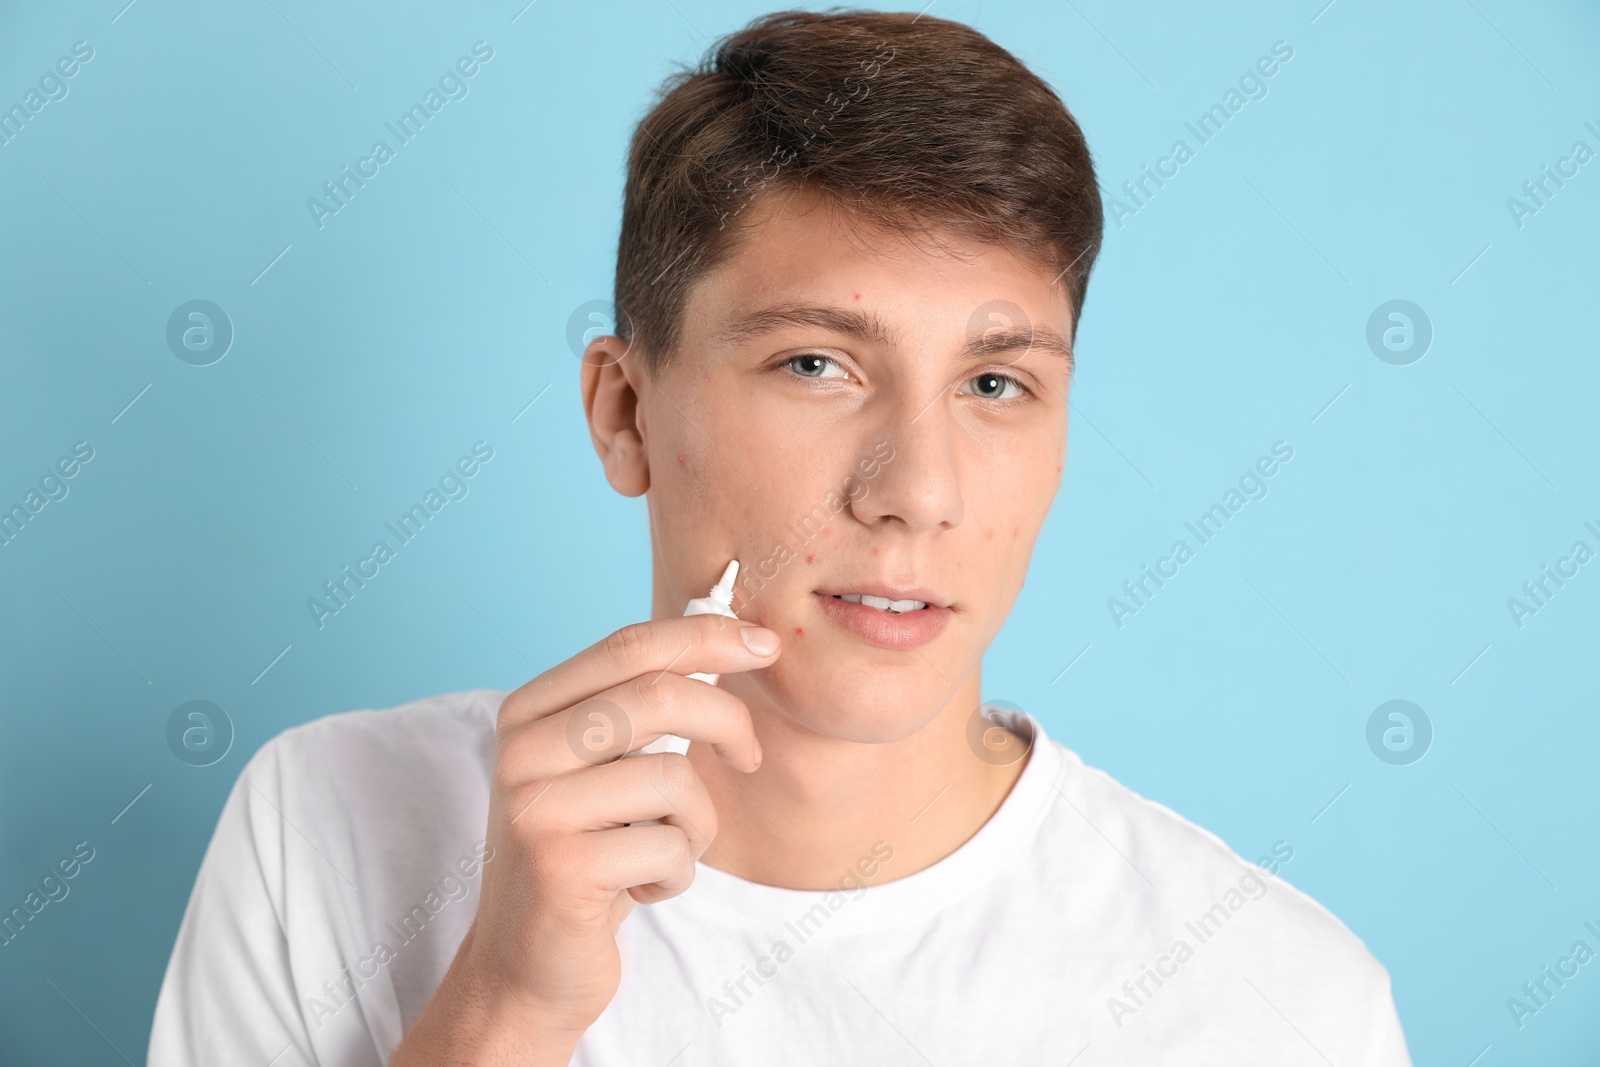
(854, 251)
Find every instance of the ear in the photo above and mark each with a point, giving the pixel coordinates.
(609, 381)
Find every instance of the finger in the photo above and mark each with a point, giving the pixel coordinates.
(711, 644)
(660, 786)
(657, 856)
(626, 718)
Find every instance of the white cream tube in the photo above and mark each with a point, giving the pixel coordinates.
(718, 602)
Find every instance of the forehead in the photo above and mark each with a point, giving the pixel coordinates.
(797, 246)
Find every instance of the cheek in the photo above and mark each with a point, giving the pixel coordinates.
(1007, 516)
(690, 470)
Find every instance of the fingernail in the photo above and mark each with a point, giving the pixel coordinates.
(760, 640)
(758, 751)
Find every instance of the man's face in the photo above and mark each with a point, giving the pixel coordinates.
(850, 414)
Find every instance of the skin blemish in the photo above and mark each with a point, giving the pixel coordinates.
(683, 457)
(988, 535)
(799, 632)
(811, 559)
(858, 296)
(874, 552)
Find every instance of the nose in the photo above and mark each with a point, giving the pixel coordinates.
(919, 487)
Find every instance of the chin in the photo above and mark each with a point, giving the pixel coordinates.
(857, 698)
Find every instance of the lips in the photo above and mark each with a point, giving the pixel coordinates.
(887, 616)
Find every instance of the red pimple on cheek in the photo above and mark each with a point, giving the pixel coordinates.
(811, 559)
(874, 552)
(683, 457)
(798, 632)
(988, 535)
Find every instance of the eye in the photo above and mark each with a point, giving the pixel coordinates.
(812, 365)
(992, 386)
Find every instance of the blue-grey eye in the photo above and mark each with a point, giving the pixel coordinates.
(811, 365)
(992, 386)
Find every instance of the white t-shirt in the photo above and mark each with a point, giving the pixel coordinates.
(1082, 924)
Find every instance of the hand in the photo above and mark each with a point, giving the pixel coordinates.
(540, 961)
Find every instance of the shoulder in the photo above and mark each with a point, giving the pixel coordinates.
(1181, 900)
(1177, 858)
(410, 769)
(442, 715)
(351, 831)
(435, 734)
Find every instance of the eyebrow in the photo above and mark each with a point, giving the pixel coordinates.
(865, 326)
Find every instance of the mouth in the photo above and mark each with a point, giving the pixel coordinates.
(898, 599)
(882, 603)
(899, 619)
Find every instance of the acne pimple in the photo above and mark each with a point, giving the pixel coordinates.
(811, 559)
(858, 296)
(798, 632)
(988, 535)
(683, 457)
(874, 552)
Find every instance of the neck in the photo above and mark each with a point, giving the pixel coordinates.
(821, 809)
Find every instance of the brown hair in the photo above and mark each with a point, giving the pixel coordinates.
(910, 121)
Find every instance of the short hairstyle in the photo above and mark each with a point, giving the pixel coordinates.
(912, 122)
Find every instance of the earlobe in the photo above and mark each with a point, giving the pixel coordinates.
(611, 405)
(626, 467)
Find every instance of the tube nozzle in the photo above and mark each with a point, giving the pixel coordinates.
(722, 592)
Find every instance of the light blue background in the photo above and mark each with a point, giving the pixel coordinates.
(1224, 316)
